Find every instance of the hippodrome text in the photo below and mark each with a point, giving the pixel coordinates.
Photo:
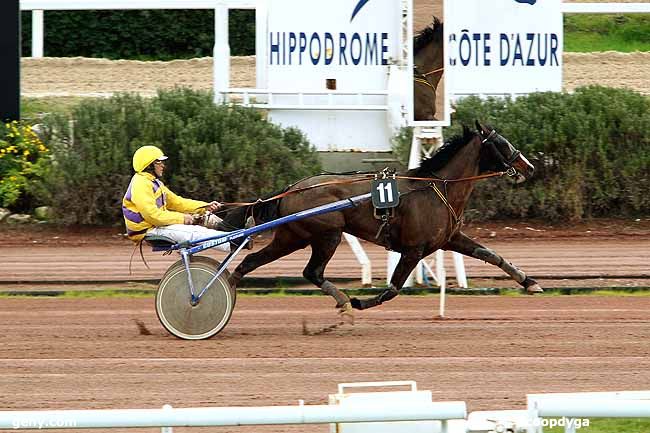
(297, 48)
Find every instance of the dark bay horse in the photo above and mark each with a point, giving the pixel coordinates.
(429, 215)
(428, 66)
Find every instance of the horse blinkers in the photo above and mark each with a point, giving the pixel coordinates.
(516, 163)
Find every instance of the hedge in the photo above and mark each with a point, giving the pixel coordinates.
(215, 152)
(590, 148)
(139, 34)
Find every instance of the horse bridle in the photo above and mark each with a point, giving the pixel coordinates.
(507, 162)
(422, 78)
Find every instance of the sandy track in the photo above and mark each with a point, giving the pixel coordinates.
(542, 259)
(101, 77)
(612, 249)
(490, 352)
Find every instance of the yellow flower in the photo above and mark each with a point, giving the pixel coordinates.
(26, 152)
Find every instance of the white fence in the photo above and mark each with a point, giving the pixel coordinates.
(38, 6)
(585, 405)
(352, 411)
(606, 8)
(229, 416)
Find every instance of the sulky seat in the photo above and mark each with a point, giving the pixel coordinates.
(158, 242)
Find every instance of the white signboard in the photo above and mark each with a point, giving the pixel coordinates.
(335, 47)
(504, 46)
(351, 41)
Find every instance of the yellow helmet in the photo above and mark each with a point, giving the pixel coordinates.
(145, 156)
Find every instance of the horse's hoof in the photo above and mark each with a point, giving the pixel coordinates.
(347, 314)
(356, 304)
(534, 288)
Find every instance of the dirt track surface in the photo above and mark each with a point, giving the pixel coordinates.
(101, 77)
(597, 253)
(490, 352)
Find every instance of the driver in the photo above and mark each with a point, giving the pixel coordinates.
(150, 207)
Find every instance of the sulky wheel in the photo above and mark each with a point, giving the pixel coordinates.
(210, 315)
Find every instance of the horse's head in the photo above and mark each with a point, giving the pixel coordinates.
(497, 154)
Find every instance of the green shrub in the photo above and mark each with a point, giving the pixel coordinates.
(591, 151)
(22, 163)
(215, 152)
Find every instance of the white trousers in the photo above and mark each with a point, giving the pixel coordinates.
(189, 233)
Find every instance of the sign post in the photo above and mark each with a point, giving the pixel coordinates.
(10, 60)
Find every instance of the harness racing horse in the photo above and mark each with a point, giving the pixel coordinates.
(428, 217)
(427, 69)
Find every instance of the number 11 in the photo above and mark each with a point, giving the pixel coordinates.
(388, 187)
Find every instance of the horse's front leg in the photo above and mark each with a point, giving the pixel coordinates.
(464, 245)
(405, 266)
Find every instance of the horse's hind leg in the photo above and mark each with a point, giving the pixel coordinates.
(464, 245)
(322, 250)
(284, 242)
(405, 266)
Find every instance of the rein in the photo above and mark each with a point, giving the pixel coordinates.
(365, 177)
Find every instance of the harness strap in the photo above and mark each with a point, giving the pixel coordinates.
(455, 219)
(425, 82)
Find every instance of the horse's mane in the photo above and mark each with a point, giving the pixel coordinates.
(427, 34)
(439, 159)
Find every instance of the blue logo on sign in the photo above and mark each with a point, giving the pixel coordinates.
(530, 2)
(362, 3)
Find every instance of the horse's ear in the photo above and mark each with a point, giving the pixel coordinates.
(481, 129)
